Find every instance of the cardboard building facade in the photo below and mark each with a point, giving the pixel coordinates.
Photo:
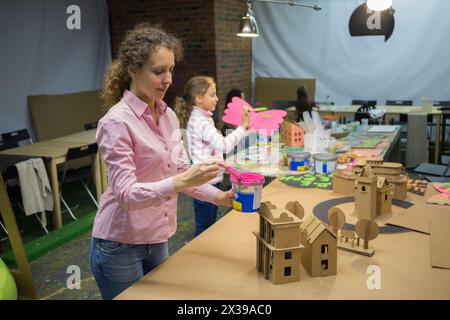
(344, 181)
(373, 195)
(393, 172)
(291, 134)
(278, 244)
(319, 255)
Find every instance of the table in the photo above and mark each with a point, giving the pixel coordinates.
(56, 151)
(391, 110)
(221, 264)
(240, 160)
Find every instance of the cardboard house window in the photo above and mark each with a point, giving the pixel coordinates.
(324, 249)
(324, 264)
(288, 255)
(385, 197)
(287, 271)
(363, 188)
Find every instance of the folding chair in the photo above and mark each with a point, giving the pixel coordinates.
(90, 126)
(82, 174)
(14, 193)
(404, 103)
(364, 102)
(14, 138)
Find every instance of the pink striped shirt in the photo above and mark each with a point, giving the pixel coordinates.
(140, 203)
(205, 142)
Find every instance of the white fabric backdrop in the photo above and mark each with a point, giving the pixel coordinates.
(297, 42)
(40, 55)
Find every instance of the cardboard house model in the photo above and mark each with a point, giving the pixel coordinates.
(319, 256)
(291, 134)
(393, 172)
(344, 181)
(278, 244)
(373, 195)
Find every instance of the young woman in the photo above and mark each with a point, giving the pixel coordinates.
(204, 141)
(146, 163)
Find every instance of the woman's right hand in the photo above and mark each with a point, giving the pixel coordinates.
(196, 175)
(245, 117)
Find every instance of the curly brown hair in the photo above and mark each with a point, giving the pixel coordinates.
(196, 86)
(134, 51)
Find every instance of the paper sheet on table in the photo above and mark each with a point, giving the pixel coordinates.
(382, 128)
(439, 242)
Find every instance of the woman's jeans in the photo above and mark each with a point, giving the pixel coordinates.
(116, 266)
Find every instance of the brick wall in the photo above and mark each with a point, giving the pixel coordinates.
(233, 54)
(207, 29)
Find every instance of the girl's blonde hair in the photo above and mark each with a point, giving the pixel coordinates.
(196, 86)
(134, 50)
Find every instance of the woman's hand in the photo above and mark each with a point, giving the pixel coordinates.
(245, 117)
(196, 175)
(223, 198)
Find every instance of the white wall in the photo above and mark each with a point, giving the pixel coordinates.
(297, 42)
(40, 55)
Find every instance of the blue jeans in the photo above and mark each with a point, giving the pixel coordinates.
(205, 214)
(116, 266)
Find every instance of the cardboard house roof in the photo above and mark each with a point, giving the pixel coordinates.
(277, 216)
(376, 163)
(382, 182)
(314, 228)
(346, 174)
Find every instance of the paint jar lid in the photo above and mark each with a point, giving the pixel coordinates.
(299, 154)
(248, 179)
(326, 156)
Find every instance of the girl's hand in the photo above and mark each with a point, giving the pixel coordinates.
(223, 198)
(245, 117)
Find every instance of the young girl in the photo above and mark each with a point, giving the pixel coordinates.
(204, 141)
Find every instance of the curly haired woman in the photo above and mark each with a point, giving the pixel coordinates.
(147, 166)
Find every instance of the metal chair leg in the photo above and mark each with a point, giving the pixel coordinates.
(89, 192)
(40, 222)
(67, 207)
(3, 227)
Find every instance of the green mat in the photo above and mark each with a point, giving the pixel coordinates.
(44, 244)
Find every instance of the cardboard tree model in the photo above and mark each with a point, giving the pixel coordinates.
(291, 134)
(373, 195)
(367, 230)
(278, 242)
(319, 256)
(350, 240)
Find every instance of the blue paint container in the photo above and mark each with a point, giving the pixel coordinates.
(298, 160)
(325, 162)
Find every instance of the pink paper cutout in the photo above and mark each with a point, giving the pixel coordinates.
(264, 121)
(367, 152)
(442, 187)
(442, 198)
